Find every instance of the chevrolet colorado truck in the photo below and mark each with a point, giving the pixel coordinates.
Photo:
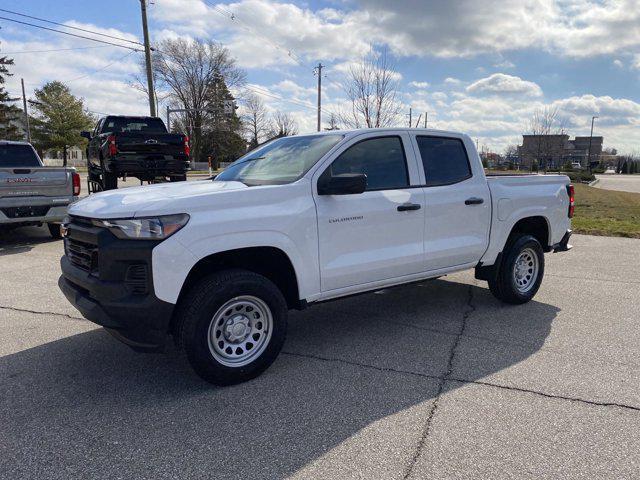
(137, 147)
(301, 220)
(30, 193)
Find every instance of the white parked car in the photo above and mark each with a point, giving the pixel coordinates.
(301, 220)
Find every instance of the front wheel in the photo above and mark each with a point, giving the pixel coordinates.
(232, 325)
(520, 272)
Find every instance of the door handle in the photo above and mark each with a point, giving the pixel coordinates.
(473, 201)
(405, 207)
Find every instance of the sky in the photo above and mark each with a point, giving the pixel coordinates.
(480, 67)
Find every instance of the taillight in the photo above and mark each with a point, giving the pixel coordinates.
(113, 148)
(187, 148)
(76, 184)
(572, 199)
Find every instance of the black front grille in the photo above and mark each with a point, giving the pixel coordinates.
(25, 212)
(82, 254)
(136, 279)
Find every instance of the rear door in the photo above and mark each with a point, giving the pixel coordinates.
(371, 236)
(458, 202)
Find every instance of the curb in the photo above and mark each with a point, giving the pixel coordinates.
(591, 184)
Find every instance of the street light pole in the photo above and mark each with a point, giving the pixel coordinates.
(590, 140)
(147, 56)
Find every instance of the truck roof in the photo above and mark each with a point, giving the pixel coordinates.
(358, 131)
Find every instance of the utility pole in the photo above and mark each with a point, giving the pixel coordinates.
(26, 112)
(426, 115)
(410, 112)
(590, 140)
(147, 56)
(318, 69)
(418, 121)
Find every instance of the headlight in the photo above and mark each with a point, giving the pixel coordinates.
(149, 228)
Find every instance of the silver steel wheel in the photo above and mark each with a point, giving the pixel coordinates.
(240, 331)
(525, 270)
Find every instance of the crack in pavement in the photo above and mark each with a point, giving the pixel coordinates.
(25, 310)
(441, 384)
(463, 380)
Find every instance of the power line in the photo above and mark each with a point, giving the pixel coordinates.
(71, 27)
(68, 33)
(52, 50)
(233, 17)
(99, 69)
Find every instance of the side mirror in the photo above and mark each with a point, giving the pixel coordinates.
(85, 134)
(343, 184)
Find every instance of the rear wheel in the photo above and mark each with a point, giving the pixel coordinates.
(520, 272)
(178, 178)
(232, 325)
(55, 230)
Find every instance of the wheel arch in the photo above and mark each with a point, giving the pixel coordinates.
(537, 226)
(270, 262)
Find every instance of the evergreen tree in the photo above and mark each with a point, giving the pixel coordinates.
(8, 111)
(60, 116)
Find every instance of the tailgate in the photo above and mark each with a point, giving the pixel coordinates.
(161, 143)
(35, 182)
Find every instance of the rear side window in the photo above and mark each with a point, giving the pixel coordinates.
(445, 160)
(18, 156)
(381, 159)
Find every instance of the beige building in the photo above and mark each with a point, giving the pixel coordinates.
(553, 151)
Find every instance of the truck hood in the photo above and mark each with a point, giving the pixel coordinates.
(132, 202)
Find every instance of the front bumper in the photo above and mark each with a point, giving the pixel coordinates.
(148, 165)
(105, 292)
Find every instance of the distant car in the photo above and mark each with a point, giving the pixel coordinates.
(137, 147)
(576, 165)
(30, 193)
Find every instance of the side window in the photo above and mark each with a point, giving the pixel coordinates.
(381, 159)
(445, 160)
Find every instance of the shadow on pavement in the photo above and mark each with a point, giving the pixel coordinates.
(22, 239)
(87, 406)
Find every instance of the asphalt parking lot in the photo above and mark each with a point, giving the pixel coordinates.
(437, 380)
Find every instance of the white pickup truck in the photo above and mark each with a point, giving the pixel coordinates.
(301, 220)
(30, 193)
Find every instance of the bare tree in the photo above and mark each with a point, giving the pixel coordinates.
(283, 125)
(372, 87)
(333, 122)
(189, 73)
(547, 125)
(255, 120)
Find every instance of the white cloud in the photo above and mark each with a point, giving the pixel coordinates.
(502, 84)
(419, 84)
(618, 63)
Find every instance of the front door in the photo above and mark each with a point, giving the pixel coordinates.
(376, 235)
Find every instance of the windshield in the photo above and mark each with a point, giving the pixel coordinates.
(18, 156)
(134, 125)
(280, 161)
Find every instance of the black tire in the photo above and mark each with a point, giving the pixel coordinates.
(54, 230)
(178, 178)
(504, 286)
(195, 317)
(110, 180)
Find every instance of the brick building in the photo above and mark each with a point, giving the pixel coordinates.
(553, 151)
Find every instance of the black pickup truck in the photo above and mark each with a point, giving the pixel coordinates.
(137, 147)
